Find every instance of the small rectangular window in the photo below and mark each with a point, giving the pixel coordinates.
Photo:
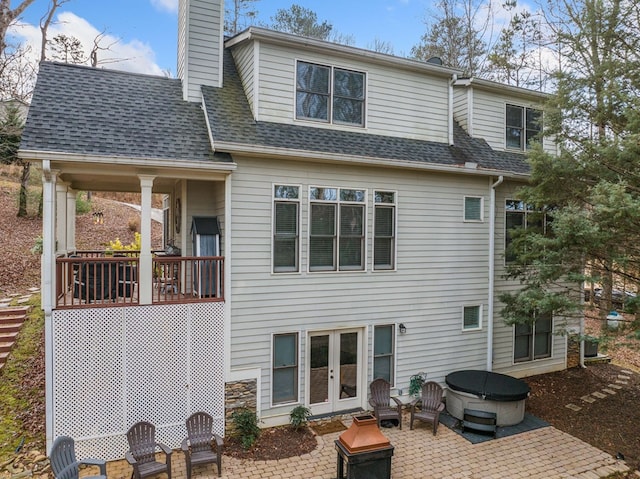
(471, 317)
(384, 231)
(383, 352)
(286, 233)
(284, 387)
(473, 208)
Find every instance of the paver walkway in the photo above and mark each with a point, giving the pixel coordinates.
(546, 453)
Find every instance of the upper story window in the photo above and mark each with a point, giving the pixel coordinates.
(286, 231)
(519, 215)
(329, 94)
(336, 229)
(473, 208)
(384, 231)
(471, 317)
(523, 127)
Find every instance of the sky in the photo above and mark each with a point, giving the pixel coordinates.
(143, 33)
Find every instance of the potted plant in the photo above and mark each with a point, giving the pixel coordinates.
(590, 346)
(415, 384)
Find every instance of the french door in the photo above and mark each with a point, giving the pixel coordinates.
(334, 370)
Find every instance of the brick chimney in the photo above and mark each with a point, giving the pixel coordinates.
(200, 45)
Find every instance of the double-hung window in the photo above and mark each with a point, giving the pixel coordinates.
(336, 229)
(523, 126)
(284, 384)
(384, 230)
(383, 352)
(329, 94)
(286, 232)
(519, 215)
(533, 341)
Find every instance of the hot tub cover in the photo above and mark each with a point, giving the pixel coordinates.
(488, 385)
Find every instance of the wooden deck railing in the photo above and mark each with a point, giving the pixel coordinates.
(91, 279)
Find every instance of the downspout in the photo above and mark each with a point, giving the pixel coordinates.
(454, 78)
(46, 279)
(492, 254)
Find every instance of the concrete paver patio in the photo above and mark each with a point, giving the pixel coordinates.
(545, 453)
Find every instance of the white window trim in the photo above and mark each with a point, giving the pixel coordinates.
(273, 213)
(480, 312)
(395, 230)
(337, 202)
(394, 345)
(523, 147)
(529, 361)
(299, 359)
(464, 209)
(330, 123)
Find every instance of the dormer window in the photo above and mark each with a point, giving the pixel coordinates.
(329, 94)
(523, 127)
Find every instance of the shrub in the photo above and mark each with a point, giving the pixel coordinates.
(247, 429)
(415, 383)
(82, 204)
(299, 417)
(118, 246)
(134, 224)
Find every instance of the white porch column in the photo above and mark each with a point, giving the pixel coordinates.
(61, 217)
(48, 260)
(71, 219)
(48, 274)
(145, 273)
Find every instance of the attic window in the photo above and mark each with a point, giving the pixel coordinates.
(329, 94)
(523, 127)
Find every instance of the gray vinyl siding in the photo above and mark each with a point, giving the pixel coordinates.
(243, 56)
(398, 102)
(460, 108)
(489, 121)
(503, 334)
(442, 264)
(199, 54)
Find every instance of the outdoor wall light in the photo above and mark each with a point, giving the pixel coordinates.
(403, 328)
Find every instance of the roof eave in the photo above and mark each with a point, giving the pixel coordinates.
(40, 155)
(306, 155)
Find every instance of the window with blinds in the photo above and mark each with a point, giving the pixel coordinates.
(471, 317)
(384, 231)
(286, 213)
(336, 229)
(473, 208)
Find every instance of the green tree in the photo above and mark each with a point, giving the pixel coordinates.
(301, 21)
(67, 49)
(515, 58)
(238, 15)
(593, 183)
(10, 133)
(455, 34)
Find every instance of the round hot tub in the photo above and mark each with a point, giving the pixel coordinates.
(487, 391)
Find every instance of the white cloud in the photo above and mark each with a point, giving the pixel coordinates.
(132, 56)
(166, 5)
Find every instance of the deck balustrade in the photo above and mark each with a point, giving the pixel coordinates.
(93, 279)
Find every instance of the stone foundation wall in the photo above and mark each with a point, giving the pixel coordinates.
(573, 353)
(239, 395)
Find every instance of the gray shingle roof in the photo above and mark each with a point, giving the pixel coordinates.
(77, 109)
(82, 110)
(231, 121)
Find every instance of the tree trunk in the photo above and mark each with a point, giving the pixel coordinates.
(24, 183)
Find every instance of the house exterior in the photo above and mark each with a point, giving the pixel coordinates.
(362, 203)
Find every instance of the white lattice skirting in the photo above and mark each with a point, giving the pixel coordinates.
(113, 367)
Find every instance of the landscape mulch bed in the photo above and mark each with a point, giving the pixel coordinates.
(274, 443)
(611, 423)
